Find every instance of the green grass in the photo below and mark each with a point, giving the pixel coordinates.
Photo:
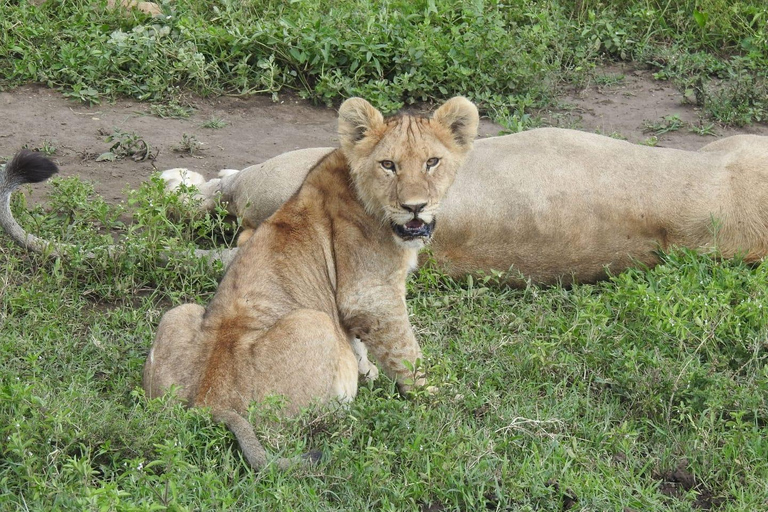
(510, 58)
(214, 123)
(647, 392)
(670, 123)
(126, 145)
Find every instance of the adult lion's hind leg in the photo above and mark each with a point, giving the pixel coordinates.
(177, 356)
(207, 191)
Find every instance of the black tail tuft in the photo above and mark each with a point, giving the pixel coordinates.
(30, 167)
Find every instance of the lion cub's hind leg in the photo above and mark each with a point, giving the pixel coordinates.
(303, 358)
(176, 358)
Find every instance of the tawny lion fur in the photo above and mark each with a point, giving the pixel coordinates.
(554, 205)
(328, 267)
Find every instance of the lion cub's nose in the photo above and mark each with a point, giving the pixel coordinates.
(413, 207)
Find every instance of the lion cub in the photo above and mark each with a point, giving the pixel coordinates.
(328, 266)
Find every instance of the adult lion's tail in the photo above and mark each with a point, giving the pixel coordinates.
(26, 167)
(252, 449)
(31, 167)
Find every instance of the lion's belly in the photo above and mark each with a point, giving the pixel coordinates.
(548, 249)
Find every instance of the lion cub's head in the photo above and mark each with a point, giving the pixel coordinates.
(402, 166)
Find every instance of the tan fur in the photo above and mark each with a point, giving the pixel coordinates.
(554, 205)
(327, 267)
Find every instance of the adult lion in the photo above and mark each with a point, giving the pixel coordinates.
(550, 205)
(328, 267)
(555, 205)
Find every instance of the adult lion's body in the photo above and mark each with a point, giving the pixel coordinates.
(328, 267)
(553, 204)
(560, 205)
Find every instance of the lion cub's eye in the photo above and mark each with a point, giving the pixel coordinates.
(388, 165)
(432, 162)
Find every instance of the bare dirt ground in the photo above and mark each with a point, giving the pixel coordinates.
(258, 128)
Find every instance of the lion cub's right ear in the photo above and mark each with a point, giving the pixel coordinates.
(356, 118)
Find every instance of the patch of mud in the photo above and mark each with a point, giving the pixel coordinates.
(256, 129)
(679, 481)
(618, 102)
(622, 100)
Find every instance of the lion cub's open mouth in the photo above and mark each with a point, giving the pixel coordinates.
(415, 228)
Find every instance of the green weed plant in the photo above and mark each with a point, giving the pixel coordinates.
(509, 57)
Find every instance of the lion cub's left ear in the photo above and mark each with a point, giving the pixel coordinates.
(460, 116)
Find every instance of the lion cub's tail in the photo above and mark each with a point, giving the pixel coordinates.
(26, 167)
(254, 452)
